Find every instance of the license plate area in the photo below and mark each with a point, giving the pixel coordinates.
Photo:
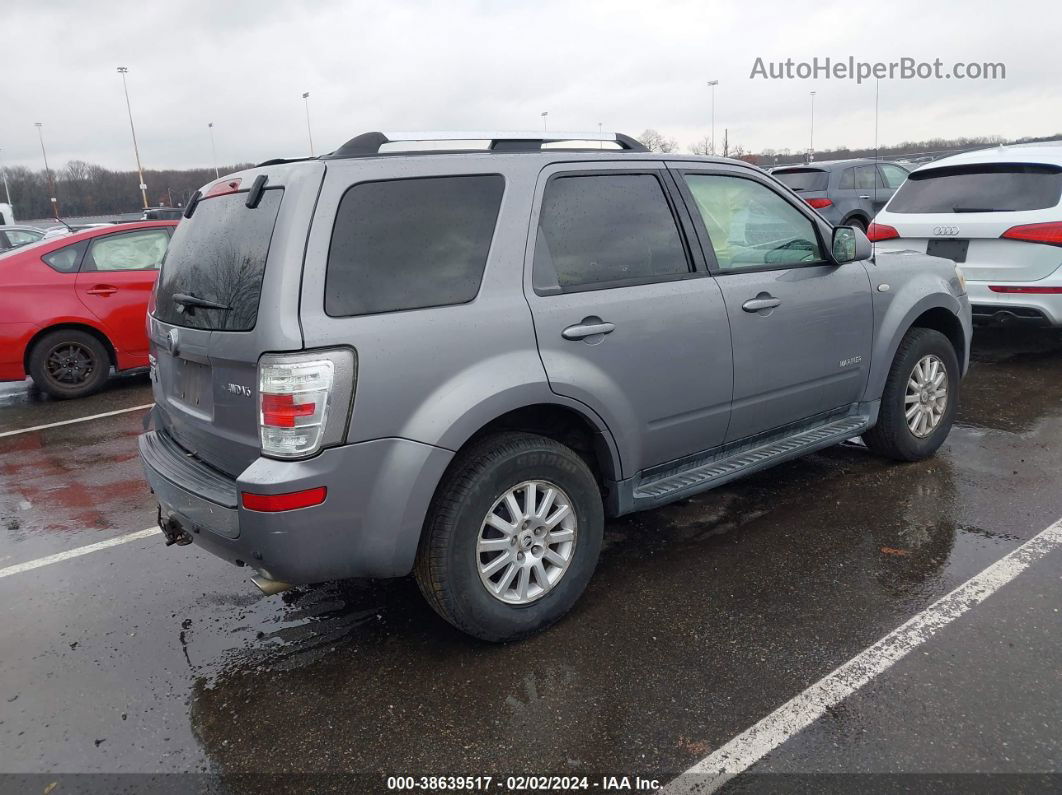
(954, 250)
(193, 387)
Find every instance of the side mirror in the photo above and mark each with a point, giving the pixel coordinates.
(850, 244)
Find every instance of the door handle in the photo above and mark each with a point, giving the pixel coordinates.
(588, 328)
(864, 197)
(765, 302)
(102, 289)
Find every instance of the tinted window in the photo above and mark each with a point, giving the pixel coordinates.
(135, 251)
(219, 254)
(847, 181)
(607, 229)
(866, 178)
(751, 226)
(411, 243)
(894, 175)
(801, 179)
(993, 187)
(67, 258)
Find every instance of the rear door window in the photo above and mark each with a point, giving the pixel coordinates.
(980, 188)
(411, 243)
(66, 259)
(606, 231)
(219, 254)
(133, 251)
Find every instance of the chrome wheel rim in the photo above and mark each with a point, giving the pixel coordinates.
(70, 364)
(526, 542)
(926, 398)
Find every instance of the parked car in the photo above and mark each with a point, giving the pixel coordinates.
(162, 214)
(62, 230)
(997, 213)
(73, 307)
(15, 236)
(364, 364)
(845, 192)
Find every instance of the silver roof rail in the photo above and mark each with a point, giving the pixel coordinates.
(370, 143)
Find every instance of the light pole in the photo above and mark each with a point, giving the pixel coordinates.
(123, 70)
(811, 141)
(712, 84)
(544, 114)
(309, 132)
(47, 170)
(7, 188)
(213, 149)
(601, 143)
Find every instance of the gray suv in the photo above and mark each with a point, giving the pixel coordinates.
(409, 356)
(845, 192)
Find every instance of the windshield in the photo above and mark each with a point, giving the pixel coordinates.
(803, 179)
(218, 256)
(981, 188)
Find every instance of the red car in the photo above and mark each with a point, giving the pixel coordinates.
(73, 307)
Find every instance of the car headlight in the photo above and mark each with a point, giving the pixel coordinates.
(961, 277)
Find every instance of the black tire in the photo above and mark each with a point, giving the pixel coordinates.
(89, 363)
(892, 437)
(858, 223)
(446, 569)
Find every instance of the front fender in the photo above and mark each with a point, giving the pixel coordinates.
(914, 284)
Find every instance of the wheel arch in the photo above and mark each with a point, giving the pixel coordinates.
(95, 332)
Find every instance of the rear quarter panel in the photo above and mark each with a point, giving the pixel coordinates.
(914, 283)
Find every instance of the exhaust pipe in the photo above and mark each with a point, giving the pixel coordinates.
(270, 587)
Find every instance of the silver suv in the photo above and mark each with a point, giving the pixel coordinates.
(457, 354)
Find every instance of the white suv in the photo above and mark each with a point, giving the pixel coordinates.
(996, 213)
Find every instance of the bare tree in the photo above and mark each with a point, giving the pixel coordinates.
(702, 146)
(655, 142)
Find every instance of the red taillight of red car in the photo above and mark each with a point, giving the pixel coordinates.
(1049, 233)
(1013, 288)
(876, 232)
(818, 204)
(273, 503)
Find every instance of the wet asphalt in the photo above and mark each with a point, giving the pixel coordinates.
(703, 617)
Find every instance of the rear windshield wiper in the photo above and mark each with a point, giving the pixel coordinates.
(189, 300)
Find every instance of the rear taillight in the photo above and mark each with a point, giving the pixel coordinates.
(304, 400)
(818, 204)
(1049, 233)
(293, 405)
(876, 232)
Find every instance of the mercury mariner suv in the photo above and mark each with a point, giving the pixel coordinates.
(457, 354)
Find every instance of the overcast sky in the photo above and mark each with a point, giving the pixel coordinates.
(398, 64)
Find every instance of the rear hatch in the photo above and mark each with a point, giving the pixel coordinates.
(228, 292)
(808, 183)
(963, 213)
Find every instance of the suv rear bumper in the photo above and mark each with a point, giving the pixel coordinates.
(992, 308)
(368, 526)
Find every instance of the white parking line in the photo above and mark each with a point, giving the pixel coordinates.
(19, 568)
(800, 712)
(76, 419)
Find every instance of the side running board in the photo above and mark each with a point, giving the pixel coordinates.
(705, 474)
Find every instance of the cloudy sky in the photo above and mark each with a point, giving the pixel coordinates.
(468, 64)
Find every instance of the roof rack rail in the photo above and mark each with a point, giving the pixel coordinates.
(370, 143)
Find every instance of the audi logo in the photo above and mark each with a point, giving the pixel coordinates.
(945, 231)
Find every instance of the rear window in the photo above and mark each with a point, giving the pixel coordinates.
(802, 179)
(982, 188)
(411, 243)
(219, 255)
